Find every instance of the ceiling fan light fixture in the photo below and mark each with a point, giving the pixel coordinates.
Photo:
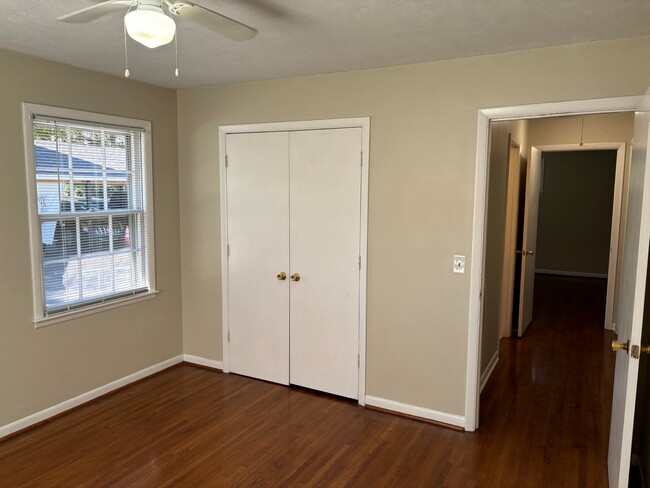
(151, 28)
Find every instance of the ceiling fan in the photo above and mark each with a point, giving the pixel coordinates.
(147, 22)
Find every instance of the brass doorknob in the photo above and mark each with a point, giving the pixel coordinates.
(526, 252)
(619, 346)
(282, 276)
(295, 277)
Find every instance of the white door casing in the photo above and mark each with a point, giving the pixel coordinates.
(325, 168)
(631, 301)
(529, 244)
(258, 244)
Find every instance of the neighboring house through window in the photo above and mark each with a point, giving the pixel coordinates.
(90, 209)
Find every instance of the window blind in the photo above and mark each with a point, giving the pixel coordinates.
(92, 208)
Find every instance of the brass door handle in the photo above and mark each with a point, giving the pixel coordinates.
(620, 346)
(295, 277)
(282, 276)
(526, 252)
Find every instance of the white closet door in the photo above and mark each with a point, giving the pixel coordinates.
(258, 236)
(325, 226)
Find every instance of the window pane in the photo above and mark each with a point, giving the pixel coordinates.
(118, 196)
(83, 196)
(121, 234)
(94, 235)
(97, 274)
(60, 278)
(59, 239)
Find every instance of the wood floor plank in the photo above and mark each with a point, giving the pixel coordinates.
(544, 423)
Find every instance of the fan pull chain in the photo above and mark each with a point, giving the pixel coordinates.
(127, 73)
(582, 132)
(176, 72)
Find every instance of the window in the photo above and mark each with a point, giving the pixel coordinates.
(90, 209)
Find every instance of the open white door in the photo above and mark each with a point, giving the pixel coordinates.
(630, 310)
(529, 241)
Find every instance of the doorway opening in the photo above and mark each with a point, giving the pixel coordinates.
(566, 176)
(556, 188)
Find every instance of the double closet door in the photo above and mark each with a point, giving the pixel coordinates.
(294, 222)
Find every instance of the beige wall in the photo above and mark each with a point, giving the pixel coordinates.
(42, 367)
(496, 228)
(574, 225)
(422, 166)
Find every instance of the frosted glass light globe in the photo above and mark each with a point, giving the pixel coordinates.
(150, 28)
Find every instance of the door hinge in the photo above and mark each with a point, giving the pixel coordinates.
(228, 335)
(358, 360)
(359, 261)
(226, 160)
(361, 158)
(228, 250)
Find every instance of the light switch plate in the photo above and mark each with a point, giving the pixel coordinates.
(459, 264)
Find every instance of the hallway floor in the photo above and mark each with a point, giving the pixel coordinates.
(544, 422)
(547, 406)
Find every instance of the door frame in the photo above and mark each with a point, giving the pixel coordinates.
(355, 122)
(477, 265)
(537, 152)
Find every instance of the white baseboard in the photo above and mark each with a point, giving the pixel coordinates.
(489, 370)
(37, 417)
(579, 274)
(425, 413)
(210, 363)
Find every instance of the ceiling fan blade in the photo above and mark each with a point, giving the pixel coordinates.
(94, 11)
(227, 27)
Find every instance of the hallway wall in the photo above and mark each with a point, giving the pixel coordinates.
(496, 228)
(575, 212)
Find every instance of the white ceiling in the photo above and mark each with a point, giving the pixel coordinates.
(300, 37)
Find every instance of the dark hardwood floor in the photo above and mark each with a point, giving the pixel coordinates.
(544, 422)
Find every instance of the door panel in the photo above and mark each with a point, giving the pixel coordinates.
(631, 301)
(529, 242)
(258, 236)
(325, 228)
(510, 240)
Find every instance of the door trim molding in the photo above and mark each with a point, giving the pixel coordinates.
(477, 263)
(356, 122)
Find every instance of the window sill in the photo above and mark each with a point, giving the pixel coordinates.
(92, 309)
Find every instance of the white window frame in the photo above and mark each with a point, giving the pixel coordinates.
(31, 110)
